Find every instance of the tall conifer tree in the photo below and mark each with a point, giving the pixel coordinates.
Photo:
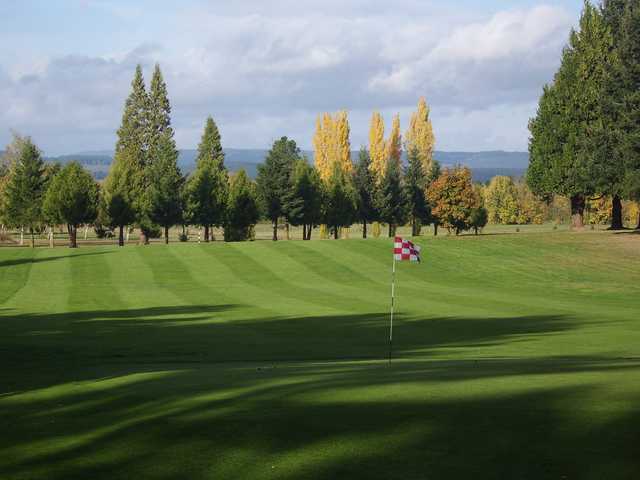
(365, 189)
(207, 188)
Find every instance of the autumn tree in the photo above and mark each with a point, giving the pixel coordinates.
(393, 145)
(207, 187)
(501, 202)
(453, 199)
(377, 148)
(420, 135)
(71, 198)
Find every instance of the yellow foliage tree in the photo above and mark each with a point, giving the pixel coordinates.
(420, 135)
(501, 201)
(377, 149)
(342, 144)
(394, 144)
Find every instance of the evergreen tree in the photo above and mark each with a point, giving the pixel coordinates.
(165, 185)
(365, 186)
(304, 201)
(392, 201)
(158, 114)
(274, 179)
(25, 188)
(207, 188)
(71, 198)
(340, 201)
(124, 188)
(415, 192)
(242, 210)
(478, 218)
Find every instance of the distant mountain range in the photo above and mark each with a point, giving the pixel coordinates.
(484, 165)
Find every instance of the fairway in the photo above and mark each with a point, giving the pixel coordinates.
(516, 356)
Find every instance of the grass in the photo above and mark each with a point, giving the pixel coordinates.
(516, 356)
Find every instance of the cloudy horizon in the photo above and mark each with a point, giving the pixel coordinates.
(267, 69)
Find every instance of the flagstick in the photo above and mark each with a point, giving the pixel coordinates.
(393, 288)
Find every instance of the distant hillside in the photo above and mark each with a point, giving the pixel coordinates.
(483, 164)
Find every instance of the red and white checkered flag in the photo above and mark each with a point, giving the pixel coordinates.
(404, 250)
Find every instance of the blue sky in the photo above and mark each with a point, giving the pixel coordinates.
(264, 69)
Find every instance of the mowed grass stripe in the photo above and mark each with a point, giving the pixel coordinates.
(256, 271)
(14, 271)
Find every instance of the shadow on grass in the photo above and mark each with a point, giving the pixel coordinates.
(155, 393)
(28, 260)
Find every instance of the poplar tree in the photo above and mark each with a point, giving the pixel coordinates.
(207, 188)
(304, 201)
(394, 143)
(71, 198)
(377, 148)
(242, 211)
(124, 187)
(415, 191)
(165, 184)
(342, 144)
(25, 188)
(420, 134)
(392, 200)
(365, 189)
(274, 179)
(324, 146)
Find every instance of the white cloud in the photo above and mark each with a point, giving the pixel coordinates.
(266, 72)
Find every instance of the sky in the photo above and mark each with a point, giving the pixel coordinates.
(266, 68)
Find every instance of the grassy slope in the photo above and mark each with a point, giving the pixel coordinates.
(517, 358)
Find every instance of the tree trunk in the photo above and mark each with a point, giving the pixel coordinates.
(51, 243)
(336, 233)
(144, 240)
(435, 229)
(616, 214)
(21, 236)
(166, 235)
(73, 236)
(476, 229)
(275, 230)
(121, 236)
(309, 229)
(364, 229)
(86, 231)
(286, 226)
(304, 231)
(206, 233)
(577, 211)
(392, 230)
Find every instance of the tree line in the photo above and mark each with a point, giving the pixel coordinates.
(585, 137)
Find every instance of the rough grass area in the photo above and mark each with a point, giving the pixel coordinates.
(516, 356)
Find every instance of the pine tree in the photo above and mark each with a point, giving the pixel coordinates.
(365, 189)
(391, 198)
(125, 184)
(165, 198)
(242, 209)
(420, 134)
(274, 179)
(71, 198)
(25, 188)
(158, 114)
(304, 201)
(207, 188)
(415, 193)
(377, 149)
(340, 206)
